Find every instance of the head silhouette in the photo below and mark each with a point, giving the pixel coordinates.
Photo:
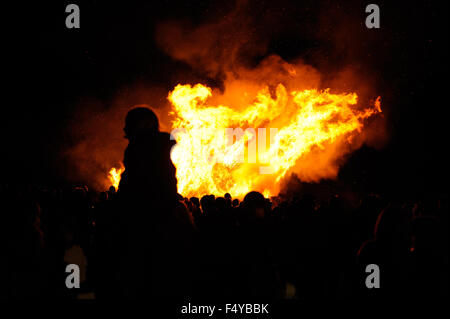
(255, 204)
(140, 120)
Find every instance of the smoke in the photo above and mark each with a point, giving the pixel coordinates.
(97, 134)
(230, 50)
(220, 45)
(240, 48)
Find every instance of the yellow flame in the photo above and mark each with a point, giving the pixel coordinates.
(114, 176)
(207, 163)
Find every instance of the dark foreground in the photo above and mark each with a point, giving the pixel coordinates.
(301, 248)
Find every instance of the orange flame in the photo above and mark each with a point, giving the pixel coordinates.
(114, 175)
(207, 160)
(256, 139)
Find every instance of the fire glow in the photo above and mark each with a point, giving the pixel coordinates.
(114, 176)
(206, 162)
(314, 130)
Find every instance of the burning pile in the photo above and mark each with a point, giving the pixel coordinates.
(236, 149)
(215, 155)
(267, 118)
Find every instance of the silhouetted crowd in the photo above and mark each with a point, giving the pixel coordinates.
(147, 240)
(299, 248)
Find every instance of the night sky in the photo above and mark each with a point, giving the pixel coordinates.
(51, 70)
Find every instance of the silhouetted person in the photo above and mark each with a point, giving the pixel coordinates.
(389, 249)
(111, 192)
(149, 171)
(26, 263)
(429, 258)
(152, 228)
(256, 268)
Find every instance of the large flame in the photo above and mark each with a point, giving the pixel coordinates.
(208, 161)
(252, 147)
